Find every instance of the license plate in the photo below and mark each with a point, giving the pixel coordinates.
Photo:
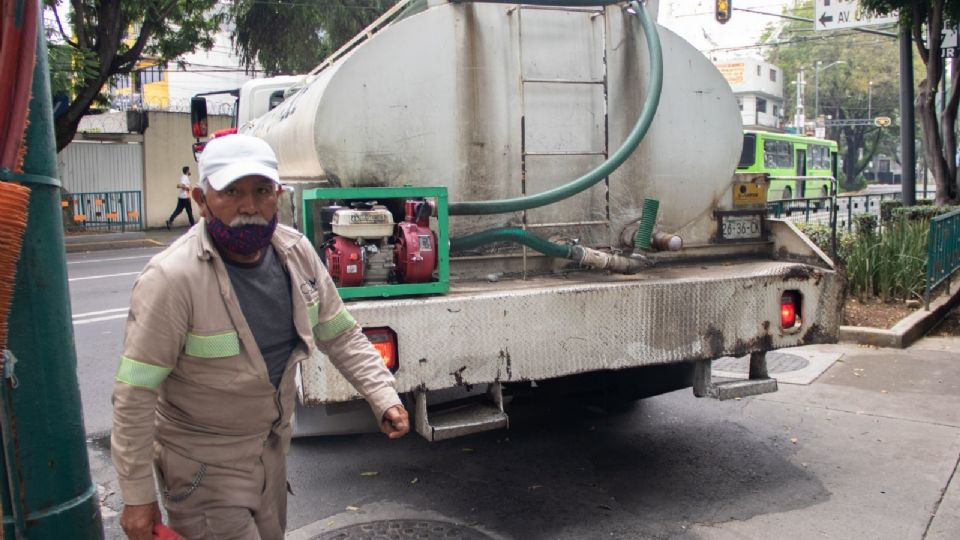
(740, 227)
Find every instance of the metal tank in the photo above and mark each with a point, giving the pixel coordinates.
(497, 101)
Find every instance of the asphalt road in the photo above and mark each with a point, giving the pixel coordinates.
(100, 284)
(870, 449)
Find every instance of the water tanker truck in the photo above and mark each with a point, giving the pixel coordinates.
(532, 199)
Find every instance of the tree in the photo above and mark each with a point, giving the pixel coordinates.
(311, 31)
(105, 38)
(926, 18)
(856, 81)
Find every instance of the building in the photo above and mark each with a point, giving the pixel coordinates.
(121, 169)
(758, 86)
(169, 86)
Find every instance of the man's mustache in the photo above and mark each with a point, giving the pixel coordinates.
(239, 221)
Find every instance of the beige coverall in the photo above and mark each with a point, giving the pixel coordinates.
(192, 396)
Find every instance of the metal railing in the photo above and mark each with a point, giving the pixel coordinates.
(943, 252)
(102, 211)
(816, 209)
(830, 202)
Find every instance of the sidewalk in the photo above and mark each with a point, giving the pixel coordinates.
(79, 243)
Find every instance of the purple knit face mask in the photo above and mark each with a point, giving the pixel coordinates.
(241, 239)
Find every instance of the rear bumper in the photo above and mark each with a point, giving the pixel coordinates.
(550, 327)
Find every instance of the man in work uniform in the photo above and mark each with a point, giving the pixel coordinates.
(218, 323)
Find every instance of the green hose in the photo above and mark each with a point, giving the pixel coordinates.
(582, 255)
(559, 193)
(518, 236)
(647, 220)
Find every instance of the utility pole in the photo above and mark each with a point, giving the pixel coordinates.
(908, 180)
(47, 492)
(799, 117)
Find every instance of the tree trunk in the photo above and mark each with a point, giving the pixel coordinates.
(929, 51)
(948, 120)
(930, 135)
(66, 124)
(854, 143)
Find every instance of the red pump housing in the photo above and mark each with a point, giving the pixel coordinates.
(415, 250)
(345, 262)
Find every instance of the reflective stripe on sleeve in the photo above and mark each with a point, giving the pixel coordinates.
(136, 373)
(313, 313)
(342, 322)
(218, 346)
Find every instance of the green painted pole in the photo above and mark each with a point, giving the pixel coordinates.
(46, 484)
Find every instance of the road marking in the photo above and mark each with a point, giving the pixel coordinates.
(98, 319)
(103, 276)
(86, 261)
(91, 313)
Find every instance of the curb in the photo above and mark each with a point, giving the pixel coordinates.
(907, 330)
(111, 244)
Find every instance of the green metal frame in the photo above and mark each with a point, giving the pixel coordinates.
(943, 251)
(442, 283)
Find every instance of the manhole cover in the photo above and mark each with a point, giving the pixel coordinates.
(776, 363)
(403, 529)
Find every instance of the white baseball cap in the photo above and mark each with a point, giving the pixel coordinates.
(231, 157)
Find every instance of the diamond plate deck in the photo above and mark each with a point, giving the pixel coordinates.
(517, 330)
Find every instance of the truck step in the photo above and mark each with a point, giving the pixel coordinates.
(758, 383)
(740, 389)
(481, 413)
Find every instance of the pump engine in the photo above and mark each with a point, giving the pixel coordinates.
(364, 245)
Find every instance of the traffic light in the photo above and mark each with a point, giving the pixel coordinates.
(724, 8)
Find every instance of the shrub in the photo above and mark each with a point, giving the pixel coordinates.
(865, 224)
(886, 209)
(921, 213)
(892, 264)
(819, 234)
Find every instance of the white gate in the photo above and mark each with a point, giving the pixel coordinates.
(101, 166)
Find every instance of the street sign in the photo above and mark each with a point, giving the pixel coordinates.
(880, 121)
(948, 40)
(836, 14)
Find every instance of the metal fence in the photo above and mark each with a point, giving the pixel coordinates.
(102, 211)
(943, 251)
(943, 240)
(817, 209)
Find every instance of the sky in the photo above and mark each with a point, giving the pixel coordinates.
(694, 21)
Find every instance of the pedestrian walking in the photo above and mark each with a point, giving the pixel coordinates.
(183, 198)
(218, 323)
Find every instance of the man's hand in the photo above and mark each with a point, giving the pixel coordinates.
(395, 422)
(137, 520)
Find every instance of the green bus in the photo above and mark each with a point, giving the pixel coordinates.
(784, 154)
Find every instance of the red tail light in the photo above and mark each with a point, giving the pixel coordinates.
(384, 340)
(224, 131)
(790, 310)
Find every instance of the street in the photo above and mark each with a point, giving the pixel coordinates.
(869, 449)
